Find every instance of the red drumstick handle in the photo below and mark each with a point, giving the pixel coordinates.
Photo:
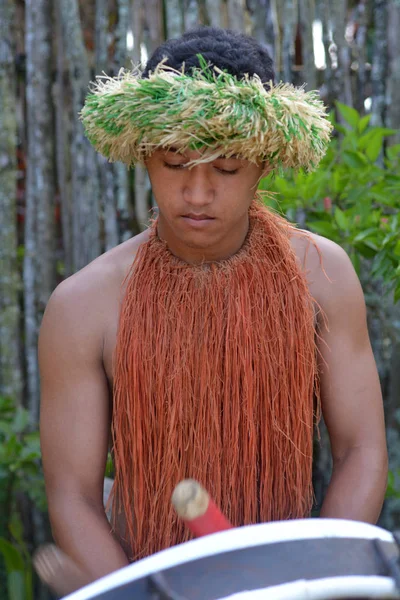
(195, 507)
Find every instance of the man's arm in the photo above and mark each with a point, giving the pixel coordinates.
(75, 425)
(351, 395)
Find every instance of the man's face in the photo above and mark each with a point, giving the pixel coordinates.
(201, 206)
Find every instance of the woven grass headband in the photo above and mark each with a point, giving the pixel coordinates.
(126, 117)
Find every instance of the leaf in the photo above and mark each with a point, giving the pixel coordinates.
(355, 160)
(341, 219)
(28, 584)
(21, 420)
(355, 259)
(393, 152)
(341, 129)
(365, 249)
(374, 147)
(324, 228)
(12, 556)
(373, 132)
(16, 528)
(364, 234)
(16, 586)
(348, 113)
(397, 293)
(363, 123)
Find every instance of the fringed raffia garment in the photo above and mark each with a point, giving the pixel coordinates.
(215, 379)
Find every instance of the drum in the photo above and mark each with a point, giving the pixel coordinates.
(303, 559)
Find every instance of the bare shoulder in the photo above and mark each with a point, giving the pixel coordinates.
(105, 271)
(330, 274)
(83, 300)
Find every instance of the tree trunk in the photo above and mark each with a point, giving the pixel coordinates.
(154, 24)
(361, 49)
(174, 18)
(63, 114)
(393, 80)
(10, 282)
(39, 260)
(379, 62)
(106, 169)
(288, 24)
(327, 39)
(341, 74)
(214, 12)
(236, 18)
(307, 17)
(142, 184)
(124, 210)
(190, 14)
(264, 25)
(85, 186)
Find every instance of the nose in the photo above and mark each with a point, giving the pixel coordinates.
(198, 189)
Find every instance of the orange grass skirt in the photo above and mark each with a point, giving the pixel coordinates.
(215, 378)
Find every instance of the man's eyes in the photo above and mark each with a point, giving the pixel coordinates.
(182, 166)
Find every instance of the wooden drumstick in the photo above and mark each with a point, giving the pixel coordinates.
(195, 507)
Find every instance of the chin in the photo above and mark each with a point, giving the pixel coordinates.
(197, 242)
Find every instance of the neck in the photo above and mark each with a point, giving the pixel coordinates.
(225, 247)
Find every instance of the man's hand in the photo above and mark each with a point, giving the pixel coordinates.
(58, 571)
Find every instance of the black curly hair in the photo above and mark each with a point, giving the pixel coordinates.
(230, 50)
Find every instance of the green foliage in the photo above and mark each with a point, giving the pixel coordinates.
(19, 455)
(393, 484)
(353, 198)
(20, 473)
(18, 563)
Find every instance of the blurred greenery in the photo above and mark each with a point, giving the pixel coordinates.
(353, 198)
(20, 476)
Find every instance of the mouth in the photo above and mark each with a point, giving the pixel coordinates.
(195, 217)
(195, 221)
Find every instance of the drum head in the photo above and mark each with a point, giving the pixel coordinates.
(309, 558)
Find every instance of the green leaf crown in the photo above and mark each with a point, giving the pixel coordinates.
(210, 111)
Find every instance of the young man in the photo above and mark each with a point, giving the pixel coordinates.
(209, 341)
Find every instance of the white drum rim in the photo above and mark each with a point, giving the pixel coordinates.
(248, 536)
(349, 586)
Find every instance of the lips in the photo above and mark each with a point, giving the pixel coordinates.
(195, 217)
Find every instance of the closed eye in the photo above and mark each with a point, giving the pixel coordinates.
(183, 165)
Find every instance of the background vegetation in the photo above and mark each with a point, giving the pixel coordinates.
(61, 205)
